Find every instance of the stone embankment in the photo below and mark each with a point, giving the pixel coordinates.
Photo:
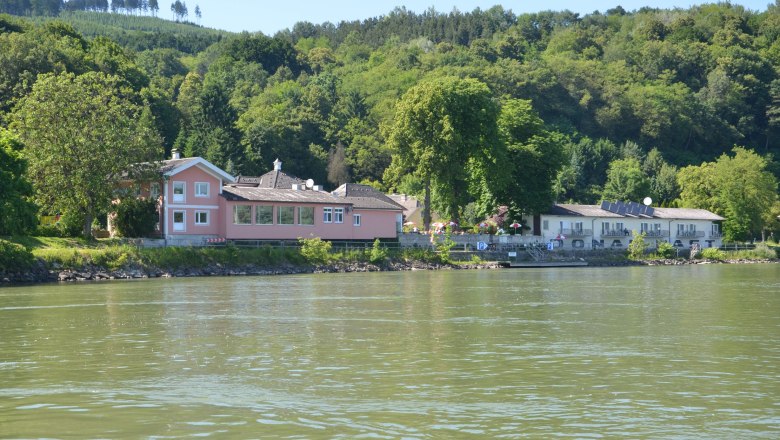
(40, 274)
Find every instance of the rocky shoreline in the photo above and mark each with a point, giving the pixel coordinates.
(41, 274)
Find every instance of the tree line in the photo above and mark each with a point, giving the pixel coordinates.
(54, 7)
(614, 105)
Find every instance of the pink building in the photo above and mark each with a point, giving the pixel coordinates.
(199, 201)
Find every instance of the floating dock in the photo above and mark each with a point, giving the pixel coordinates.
(521, 264)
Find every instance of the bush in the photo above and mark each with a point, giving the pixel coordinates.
(637, 247)
(14, 257)
(315, 250)
(136, 217)
(378, 253)
(666, 250)
(712, 254)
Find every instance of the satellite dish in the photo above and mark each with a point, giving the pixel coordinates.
(647, 201)
(310, 183)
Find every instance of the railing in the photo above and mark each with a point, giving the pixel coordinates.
(690, 234)
(576, 232)
(616, 233)
(656, 234)
(716, 235)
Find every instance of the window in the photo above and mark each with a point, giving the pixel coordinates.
(619, 227)
(201, 189)
(178, 221)
(201, 218)
(644, 228)
(356, 220)
(286, 215)
(242, 215)
(546, 225)
(327, 215)
(305, 215)
(578, 227)
(154, 190)
(264, 215)
(178, 192)
(338, 215)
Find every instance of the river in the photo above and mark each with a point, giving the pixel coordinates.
(637, 352)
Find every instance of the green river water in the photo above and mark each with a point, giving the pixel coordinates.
(684, 352)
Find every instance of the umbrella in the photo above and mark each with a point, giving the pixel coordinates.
(409, 224)
(515, 225)
(438, 225)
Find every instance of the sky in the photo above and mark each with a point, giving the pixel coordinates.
(270, 17)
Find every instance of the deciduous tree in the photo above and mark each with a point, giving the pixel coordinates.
(81, 133)
(17, 213)
(445, 132)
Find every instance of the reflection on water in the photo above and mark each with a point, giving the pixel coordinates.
(667, 352)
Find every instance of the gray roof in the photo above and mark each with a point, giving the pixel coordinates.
(659, 213)
(169, 165)
(366, 197)
(358, 196)
(273, 179)
(257, 194)
(581, 211)
(686, 214)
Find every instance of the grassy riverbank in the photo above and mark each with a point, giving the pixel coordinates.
(38, 259)
(34, 259)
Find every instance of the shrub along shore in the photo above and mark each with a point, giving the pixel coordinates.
(36, 260)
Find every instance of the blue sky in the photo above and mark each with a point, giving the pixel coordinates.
(270, 17)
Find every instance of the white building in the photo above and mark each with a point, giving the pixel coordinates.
(612, 225)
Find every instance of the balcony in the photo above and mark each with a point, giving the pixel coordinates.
(576, 232)
(716, 235)
(657, 234)
(616, 233)
(690, 234)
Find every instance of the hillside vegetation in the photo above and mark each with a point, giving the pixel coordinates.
(616, 104)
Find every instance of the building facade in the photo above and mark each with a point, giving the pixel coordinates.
(594, 227)
(199, 202)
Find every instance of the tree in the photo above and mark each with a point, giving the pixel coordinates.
(626, 181)
(81, 133)
(739, 188)
(338, 171)
(197, 13)
(533, 158)
(17, 213)
(445, 132)
(154, 6)
(135, 217)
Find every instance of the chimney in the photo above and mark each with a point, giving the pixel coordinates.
(277, 165)
(175, 154)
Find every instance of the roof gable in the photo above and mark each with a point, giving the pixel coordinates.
(175, 166)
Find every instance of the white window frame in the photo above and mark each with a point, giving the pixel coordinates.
(179, 198)
(327, 215)
(280, 210)
(357, 220)
(257, 212)
(338, 215)
(235, 215)
(198, 186)
(197, 218)
(299, 209)
(183, 222)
